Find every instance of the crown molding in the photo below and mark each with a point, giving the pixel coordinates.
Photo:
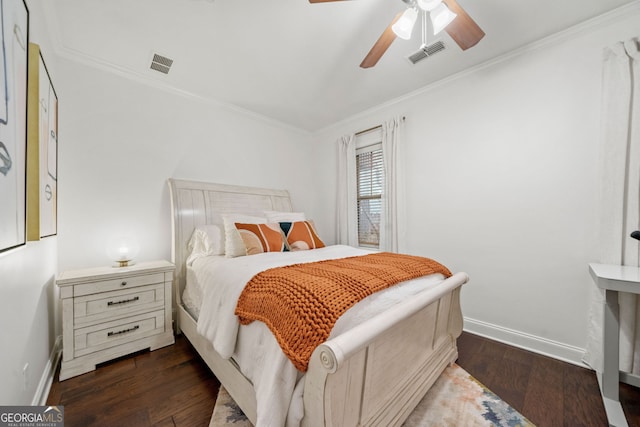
(554, 39)
(89, 60)
(95, 62)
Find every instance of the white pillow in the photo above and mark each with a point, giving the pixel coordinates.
(282, 216)
(205, 241)
(233, 244)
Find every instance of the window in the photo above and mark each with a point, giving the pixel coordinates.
(370, 181)
(369, 177)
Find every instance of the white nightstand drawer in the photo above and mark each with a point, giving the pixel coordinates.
(99, 337)
(112, 305)
(115, 284)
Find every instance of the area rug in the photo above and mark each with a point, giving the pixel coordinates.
(456, 399)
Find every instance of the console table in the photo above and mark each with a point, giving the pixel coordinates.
(613, 279)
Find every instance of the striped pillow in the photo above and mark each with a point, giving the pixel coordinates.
(301, 235)
(260, 238)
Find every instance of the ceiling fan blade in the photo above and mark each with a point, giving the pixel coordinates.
(381, 46)
(463, 30)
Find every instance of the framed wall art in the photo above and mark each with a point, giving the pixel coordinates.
(48, 154)
(42, 150)
(14, 22)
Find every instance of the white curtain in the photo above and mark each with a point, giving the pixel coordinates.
(392, 222)
(392, 230)
(346, 214)
(619, 197)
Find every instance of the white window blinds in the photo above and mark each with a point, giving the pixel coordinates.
(370, 184)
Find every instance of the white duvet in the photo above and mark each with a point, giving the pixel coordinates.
(278, 384)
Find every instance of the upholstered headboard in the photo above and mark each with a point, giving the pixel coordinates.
(195, 203)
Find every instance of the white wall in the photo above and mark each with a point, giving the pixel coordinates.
(28, 313)
(501, 164)
(28, 296)
(121, 140)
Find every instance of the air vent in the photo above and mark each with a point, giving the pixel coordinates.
(161, 63)
(426, 50)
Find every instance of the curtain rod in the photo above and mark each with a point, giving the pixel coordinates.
(368, 130)
(373, 128)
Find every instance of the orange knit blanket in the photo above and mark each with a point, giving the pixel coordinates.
(301, 303)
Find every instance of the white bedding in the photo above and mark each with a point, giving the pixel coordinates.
(218, 282)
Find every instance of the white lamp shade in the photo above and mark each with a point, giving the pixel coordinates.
(123, 249)
(441, 16)
(404, 26)
(428, 5)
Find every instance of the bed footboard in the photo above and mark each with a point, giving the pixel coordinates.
(376, 374)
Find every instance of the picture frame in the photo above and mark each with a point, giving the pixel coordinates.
(14, 28)
(42, 149)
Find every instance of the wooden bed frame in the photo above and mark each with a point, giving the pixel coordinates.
(372, 375)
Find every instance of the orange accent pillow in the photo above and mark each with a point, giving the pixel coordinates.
(301, 235)
(260, 238)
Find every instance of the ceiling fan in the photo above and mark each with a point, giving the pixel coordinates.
(444, 14)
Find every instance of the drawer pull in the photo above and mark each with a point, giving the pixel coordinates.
(124, 283)
(124, 301)
(124, 331)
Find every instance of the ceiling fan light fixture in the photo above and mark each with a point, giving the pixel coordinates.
(404, 26)
(441, 16)
(428, 5)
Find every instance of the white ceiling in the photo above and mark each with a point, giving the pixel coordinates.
(290, 60)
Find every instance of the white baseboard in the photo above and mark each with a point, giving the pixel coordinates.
(44, 386)
(546, 347)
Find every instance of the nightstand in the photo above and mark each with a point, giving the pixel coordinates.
(109, 312)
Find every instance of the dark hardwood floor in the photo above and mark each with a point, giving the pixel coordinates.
(547, 391)
(173, 387)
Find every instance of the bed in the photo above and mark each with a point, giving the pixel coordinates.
(373, 374)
